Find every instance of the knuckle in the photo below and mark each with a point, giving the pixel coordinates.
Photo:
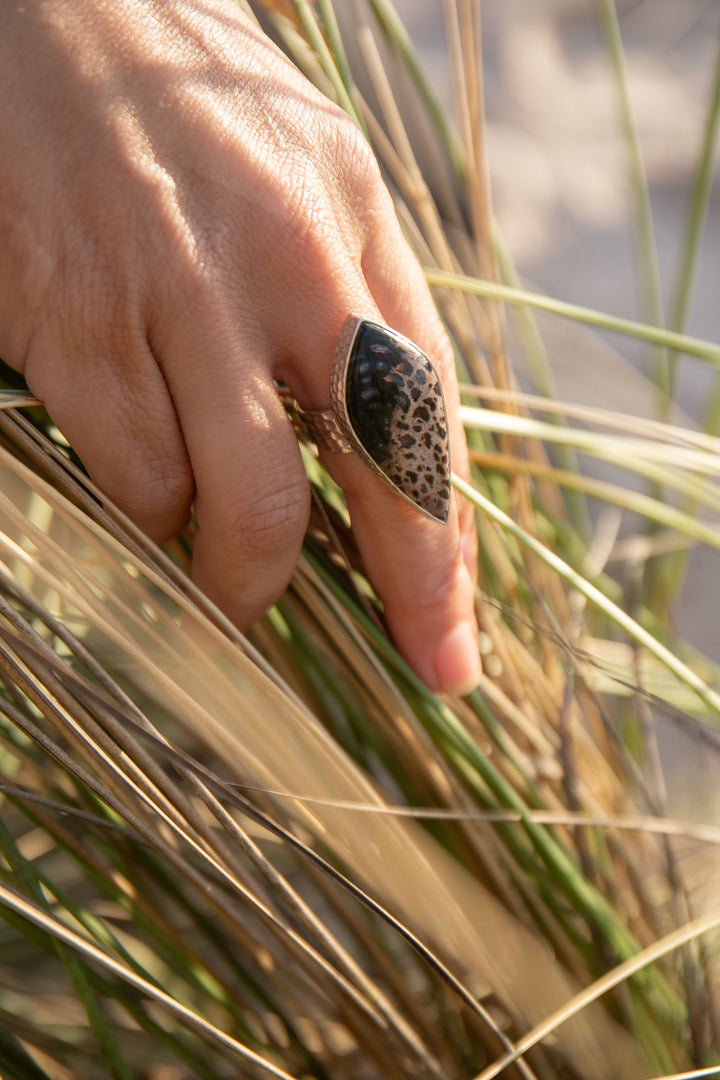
(273, 526)
(160, 498)
(306, 219)
(354, 161)
(331, 194)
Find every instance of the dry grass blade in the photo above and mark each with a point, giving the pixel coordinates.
(102, 597)
(676, 940)
(278, 853)
(62, 933)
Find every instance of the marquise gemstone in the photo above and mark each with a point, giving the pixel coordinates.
(395, 406)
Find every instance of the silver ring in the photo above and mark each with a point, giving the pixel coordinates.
(387, 406)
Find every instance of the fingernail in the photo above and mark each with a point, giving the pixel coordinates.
(457, 661)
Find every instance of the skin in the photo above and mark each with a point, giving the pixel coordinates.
(184, 219)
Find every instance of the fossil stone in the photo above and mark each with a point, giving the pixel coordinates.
(395, 407)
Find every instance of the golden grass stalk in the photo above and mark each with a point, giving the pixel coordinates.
(278, 853)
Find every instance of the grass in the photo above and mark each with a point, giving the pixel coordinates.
(278, 853)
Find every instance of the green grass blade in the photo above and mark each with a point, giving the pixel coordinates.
(709, 697)
(406, 54)
(541, 373)
(683, 343)
(645, 232)
(697, 212)
(31, 881)
(337, 52)
(90, 952)
(333, 65)
(652, 509)
(15, 1062)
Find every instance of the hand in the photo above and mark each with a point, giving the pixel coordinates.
(183, 220)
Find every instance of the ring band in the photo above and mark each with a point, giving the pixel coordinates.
(387, 406)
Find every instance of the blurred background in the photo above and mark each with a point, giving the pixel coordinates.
(271, 951)
(563, 198)
(558, 159)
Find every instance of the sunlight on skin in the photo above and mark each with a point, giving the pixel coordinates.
(219, 221)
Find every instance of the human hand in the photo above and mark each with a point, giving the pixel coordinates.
(183, 220)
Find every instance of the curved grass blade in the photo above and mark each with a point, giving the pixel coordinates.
(90, 952)
(646, 243)
(665, 945)
(708, 696)
(697, 210)
(682, 343)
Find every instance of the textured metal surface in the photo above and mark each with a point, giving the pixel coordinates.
(324, 430)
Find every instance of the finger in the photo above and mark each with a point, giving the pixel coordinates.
(416, 564)
(108, 398)
(441, 591)
(398, 286)
(252, 499)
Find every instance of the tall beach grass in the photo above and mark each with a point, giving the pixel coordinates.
(278, 853)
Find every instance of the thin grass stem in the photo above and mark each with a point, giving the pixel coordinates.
(59, 932)
(709, 697)
(683, 343)
(693, 930)
(697, 211)
(329, 61)
(645, 232)
(637, 502)
(404, 49)
(337, 52)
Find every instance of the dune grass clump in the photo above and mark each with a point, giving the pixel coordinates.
(278, 853)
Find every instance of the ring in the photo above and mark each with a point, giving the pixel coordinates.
(387, 406)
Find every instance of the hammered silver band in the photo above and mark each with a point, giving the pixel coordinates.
(324, 430)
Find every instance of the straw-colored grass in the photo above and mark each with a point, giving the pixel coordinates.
(278, 853)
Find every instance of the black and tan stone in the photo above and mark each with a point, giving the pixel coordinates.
(388, 407)
(388, 402)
